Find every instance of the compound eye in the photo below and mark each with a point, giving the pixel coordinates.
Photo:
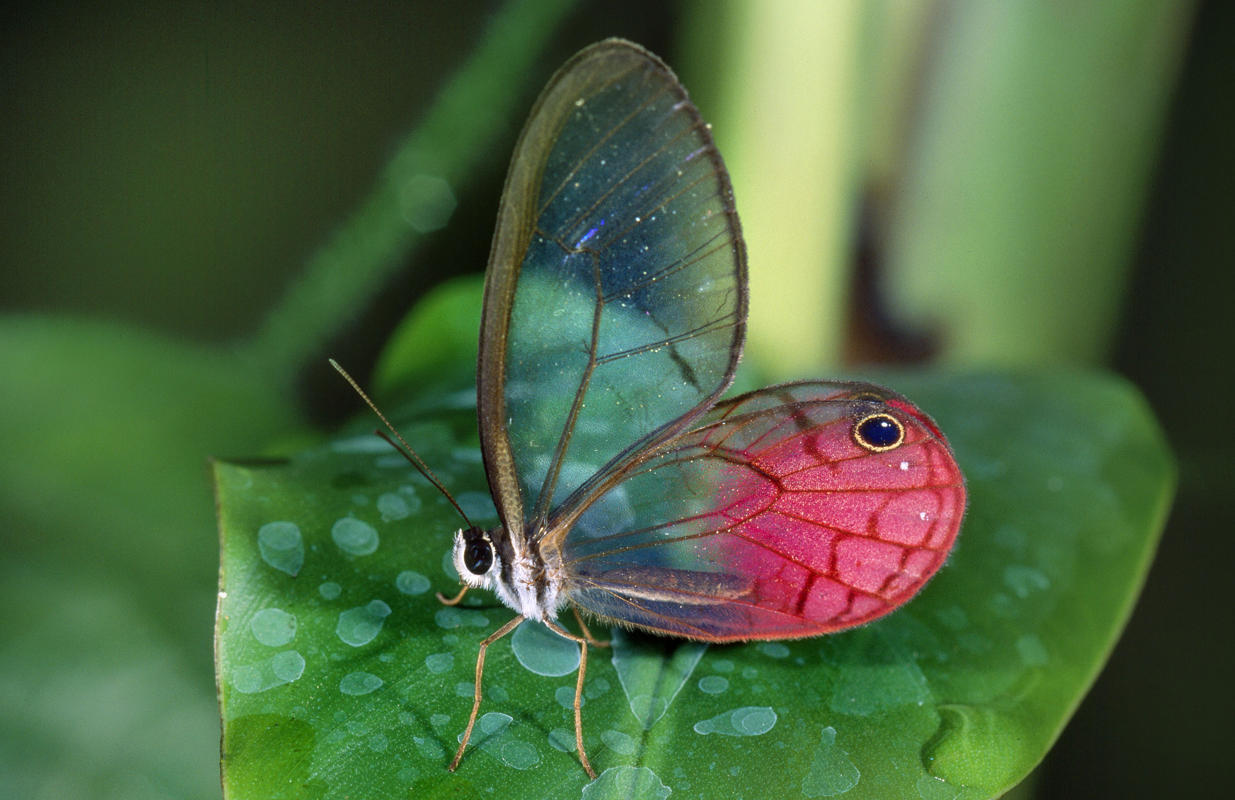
(879, 432)
(477, 555)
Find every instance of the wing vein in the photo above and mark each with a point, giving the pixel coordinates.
(711, 326)
(687, 261)
(586, 157)
(625, 178)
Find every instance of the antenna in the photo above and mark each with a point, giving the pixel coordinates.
(406, 450)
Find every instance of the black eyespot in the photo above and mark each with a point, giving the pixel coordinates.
(477, 554)
(879, 432)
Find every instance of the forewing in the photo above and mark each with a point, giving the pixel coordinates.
(770, 520)
(615, 299)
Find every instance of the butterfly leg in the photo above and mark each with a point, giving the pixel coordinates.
(480, 670)
(592, 640)
(452, 601)
(560, 631)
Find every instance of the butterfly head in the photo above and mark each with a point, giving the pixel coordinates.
(490, 560)
(475, 558)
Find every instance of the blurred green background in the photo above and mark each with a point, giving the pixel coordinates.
(975, 184)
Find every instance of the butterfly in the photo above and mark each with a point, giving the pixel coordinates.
(614, 316)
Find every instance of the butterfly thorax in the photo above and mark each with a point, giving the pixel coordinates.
(515, 572)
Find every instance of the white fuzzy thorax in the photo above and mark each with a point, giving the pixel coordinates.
(520, 592)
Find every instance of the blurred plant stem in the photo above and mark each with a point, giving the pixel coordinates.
(776, 79)
(1000, 153)
(412, 196)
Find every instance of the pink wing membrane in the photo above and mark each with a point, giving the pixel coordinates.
(771, 521)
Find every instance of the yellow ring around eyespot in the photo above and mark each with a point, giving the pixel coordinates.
(900, 433)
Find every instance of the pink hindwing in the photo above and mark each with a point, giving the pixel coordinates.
(791, 511)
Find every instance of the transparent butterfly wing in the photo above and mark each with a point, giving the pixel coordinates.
(770, 521)
(615, 299)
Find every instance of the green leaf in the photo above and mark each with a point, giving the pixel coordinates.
(438, 333)
(110, 571)
(339, 672)
(108, 577)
